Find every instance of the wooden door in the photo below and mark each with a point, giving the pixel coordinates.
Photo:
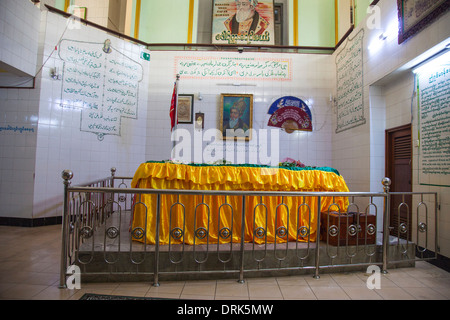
(399, 170)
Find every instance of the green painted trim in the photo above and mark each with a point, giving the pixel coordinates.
(247, 165)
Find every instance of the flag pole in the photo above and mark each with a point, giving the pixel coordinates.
(176, 115)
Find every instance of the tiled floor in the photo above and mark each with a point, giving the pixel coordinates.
(30, 260)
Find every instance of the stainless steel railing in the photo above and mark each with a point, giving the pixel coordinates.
(97, 230)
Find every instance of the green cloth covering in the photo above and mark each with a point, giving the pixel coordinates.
(326, 169)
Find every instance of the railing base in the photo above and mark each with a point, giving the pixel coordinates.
(125, 270)
(166, 277)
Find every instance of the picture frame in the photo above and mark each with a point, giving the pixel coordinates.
(199, 121)
(236, 116)
(414, 15)
(185, 108)
(227, 30)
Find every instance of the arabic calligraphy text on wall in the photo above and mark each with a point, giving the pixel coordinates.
(350, 86)
(103, 83)
(234, 68)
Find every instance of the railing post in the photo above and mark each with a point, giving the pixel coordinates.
(436, 225)
(158, 218)
(113, 174)
(111, 196)
(241, 272)
(386, 216)
(319, 209)
(67, 175)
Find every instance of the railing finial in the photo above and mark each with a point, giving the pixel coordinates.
(113, 171)
(67, 175)
(386, 183)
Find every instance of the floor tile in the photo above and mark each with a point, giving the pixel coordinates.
(263, 280)
(385, 280)
(185, 296)
(297, 292)
(361, 293)
(22, 291)
(265, 298)
(99, 285)
(133, 290)
(434, 282)
(405, 281)
(166, 288)
(164, 295)
(325, 280)
(292, 281)
(394, 294)
(426, 294)
(263, 291)
(54, 293)
(444, 291)
(42, 278)
(95, 290)
(29, 269)
(348, 280)
(233, 298)
(236, 289)
(329, 293)
(204, 289)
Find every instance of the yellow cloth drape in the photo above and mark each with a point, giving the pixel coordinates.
(201, 213)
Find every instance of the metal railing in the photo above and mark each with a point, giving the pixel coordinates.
(206, 46)
(97, 231)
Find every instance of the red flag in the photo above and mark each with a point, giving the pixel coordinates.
(173, 108)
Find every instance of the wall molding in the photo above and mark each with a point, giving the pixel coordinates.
(441, 261)
(30, 223)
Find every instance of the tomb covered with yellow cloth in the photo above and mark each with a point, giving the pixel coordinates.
(201, 219)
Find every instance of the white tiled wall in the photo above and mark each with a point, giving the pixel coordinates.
(312, 81)
(359, 152)
(39, 139)
(18, 123)
(19, 30)
(354, 151)
(60, 142)
(399, 100)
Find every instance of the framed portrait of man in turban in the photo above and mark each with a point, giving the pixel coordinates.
(236, 116)
(243, 22)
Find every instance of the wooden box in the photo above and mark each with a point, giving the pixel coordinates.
(352, 228)
(338, 228)
(367, 228)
